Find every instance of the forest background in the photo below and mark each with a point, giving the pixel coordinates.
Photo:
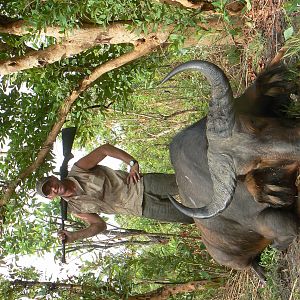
(96, 65)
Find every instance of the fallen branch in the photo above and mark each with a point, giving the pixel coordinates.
(168, 290)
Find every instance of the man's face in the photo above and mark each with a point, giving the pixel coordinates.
(53, 188)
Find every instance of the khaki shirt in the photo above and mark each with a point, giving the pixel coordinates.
(102, 189)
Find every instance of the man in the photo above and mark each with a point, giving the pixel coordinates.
(91, 188)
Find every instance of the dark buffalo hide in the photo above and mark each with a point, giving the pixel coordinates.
(238, 167)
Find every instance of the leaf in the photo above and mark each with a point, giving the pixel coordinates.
(248, 4)
(288, 33)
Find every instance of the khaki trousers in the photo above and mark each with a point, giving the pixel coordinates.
(156, 204)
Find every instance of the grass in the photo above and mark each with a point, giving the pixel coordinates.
(283, 279)
(293, 46)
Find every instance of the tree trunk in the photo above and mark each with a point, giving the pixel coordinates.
(76, 289)
(88, 36)
(168, 290)
(50, 285)
(74, 43)
(135, 232)
(162, 293)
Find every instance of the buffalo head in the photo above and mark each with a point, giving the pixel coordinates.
(242, 135)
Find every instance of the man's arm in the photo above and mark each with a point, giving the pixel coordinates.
(92, 159)
(95, 223)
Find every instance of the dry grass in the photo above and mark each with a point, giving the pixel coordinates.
(289, 275)
(283, 280)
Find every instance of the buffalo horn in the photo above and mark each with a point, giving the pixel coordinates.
(220, 122)
(221, 115)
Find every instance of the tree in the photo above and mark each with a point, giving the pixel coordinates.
(96, 64)
(124, 275)
(77, 291)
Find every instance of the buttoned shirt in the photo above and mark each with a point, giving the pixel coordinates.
(102, 189)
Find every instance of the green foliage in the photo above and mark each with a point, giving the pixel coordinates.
(291, 6)
(136, 270)
(221, 5)
(34, 233)
(68, 15)
(159, 112)
(125, 273)
(182, 259)
(272, 290)
(255, 51)
(269, 258)
(293, 48)
(288, 33)
(233, 55)
(27, 283)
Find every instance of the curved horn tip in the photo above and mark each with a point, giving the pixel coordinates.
(197, 213)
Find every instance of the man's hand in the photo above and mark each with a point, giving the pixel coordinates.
(67, 236)
(95, 223)
(134, 174)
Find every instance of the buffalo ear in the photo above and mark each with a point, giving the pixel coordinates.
(273, 184)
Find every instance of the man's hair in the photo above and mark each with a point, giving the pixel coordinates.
(40, 184)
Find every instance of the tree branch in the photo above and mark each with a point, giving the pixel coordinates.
(88, 36)
(142, 115)
(184, 3)
(74, 43)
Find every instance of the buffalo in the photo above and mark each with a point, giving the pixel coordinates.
(236, 168)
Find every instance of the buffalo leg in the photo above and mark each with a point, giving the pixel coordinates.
(279, 226)
(259, 270)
